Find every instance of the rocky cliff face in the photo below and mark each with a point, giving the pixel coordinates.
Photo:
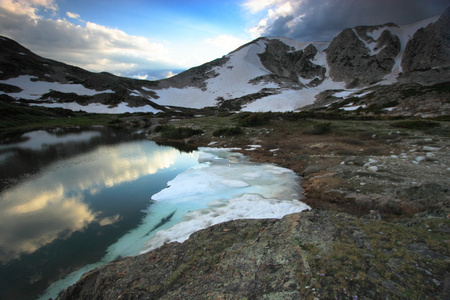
(362, 56)
(427, 54)
(355, 57)
(282, 60)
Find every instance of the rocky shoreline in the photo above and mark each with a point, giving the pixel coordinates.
(379, 227)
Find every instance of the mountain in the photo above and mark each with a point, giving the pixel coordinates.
(267, 74)
(28, 77)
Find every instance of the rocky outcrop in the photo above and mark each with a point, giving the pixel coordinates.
(427, 55)
(355, 57)
(302, 256)
(281, 60)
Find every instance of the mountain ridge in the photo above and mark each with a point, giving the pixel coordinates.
(267, 74)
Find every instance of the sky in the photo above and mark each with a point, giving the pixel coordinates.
(154, 39)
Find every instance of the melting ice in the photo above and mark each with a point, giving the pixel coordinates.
(224, 186)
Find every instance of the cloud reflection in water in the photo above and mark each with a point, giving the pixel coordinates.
(51, 204)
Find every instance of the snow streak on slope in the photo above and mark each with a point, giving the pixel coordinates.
(33, 89)
(290, 100)
(243, 66)
(404, 33)
(101, 108)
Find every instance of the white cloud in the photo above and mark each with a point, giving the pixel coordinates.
(27, 7)
(255, 6)
(225, 43)
(170, 74)
(72, 15)
(164, 74)
(90, 46)
(141, 76)
(99, 48)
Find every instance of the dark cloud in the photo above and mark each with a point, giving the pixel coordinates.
(322, 19)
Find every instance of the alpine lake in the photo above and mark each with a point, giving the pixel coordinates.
(67, 195)
(75, 199)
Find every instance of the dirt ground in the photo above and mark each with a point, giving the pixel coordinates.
(357, 167)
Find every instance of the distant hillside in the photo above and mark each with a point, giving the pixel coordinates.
(40, 81)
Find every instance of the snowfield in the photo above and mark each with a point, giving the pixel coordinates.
(101, 108)
(234, 77)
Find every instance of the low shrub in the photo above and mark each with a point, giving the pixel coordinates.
(415, 124)
(444, 118)
(229, 131)
(176, 133)
(319, 128)
(115, 122)
(159, 128)
(255, 119)
(391, 103)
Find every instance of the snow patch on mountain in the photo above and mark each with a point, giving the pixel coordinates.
(33, 89)
(231, 82)
(234, 80)
(290, 100)
(101, 108)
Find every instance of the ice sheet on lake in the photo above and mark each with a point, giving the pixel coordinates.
(228, 187)
(224, 186)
